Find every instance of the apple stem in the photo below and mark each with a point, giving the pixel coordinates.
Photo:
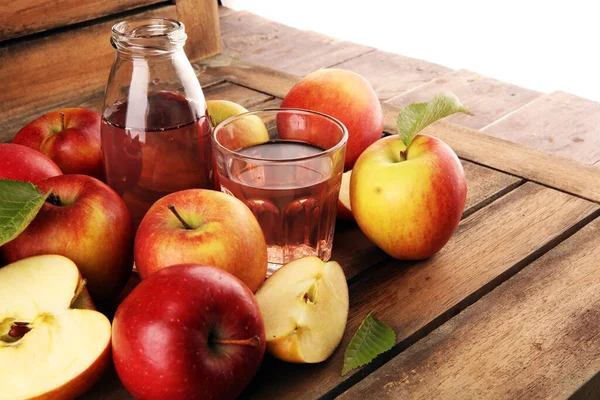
(174, 211)
(403, 154)
(62, 121)
(254, 341)
(54, 199)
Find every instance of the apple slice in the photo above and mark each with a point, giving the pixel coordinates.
(49, 349)
(305, 308)
(344, 210)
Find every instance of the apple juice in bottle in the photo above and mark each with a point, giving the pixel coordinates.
(155, 129)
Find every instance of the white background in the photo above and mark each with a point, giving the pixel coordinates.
(541, 45)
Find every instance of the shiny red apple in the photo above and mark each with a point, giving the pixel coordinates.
(87, 222)
(70, 137)
(188, 332)
(21, 163)
(346, 96)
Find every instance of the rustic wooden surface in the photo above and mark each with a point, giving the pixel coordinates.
(516, 286)
(558, 122)
(488, 99)
(536, 334)
(24, 17)
(201, 20)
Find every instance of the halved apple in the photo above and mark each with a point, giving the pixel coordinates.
(48, 348)
(305, 309)
(344, 210)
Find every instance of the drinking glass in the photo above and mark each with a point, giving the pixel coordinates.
(286, 165)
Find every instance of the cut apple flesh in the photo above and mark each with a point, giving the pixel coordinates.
(46, 347)
(305, 308)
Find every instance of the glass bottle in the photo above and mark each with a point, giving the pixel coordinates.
(156, 134)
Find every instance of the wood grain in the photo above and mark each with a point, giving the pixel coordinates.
(560, 123)
(488, 99)
(201, 20)
(393, 74)
(413, 298)
(533, 164)
(53, 69)
(534, 337)
(261, 41)
(24, 17)
(238, 94)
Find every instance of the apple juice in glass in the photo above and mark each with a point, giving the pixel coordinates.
(286, 165)
(155, 130)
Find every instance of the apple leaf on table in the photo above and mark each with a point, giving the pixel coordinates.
(417, 116)
(372, 338)
(19, 204)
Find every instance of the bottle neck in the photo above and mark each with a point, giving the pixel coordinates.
(150, 37)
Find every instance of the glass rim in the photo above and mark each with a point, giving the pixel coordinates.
(175, 25)
(341, 143)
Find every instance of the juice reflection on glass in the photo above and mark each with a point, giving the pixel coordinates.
(290, 180)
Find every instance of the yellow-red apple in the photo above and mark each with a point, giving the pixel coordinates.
(188, 332)
(21, 163)
(86, 221)
(203, 227)
(346, 96)
(50, 348)
(408, 202)
(70, 137)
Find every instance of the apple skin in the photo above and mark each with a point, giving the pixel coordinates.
(93, 228)
(161, 335)
(346, 96)
(236, 135)
(226, 235)
(75, 148)
(411, 208)
(344, 211)
(21, 163)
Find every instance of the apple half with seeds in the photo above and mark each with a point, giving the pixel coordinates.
(305, 309)
(49, 348)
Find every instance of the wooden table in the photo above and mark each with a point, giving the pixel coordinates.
(509, 308)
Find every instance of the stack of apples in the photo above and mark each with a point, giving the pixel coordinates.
(195, 327)
(203, 316)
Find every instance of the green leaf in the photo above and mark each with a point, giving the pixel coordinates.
(416, 116)
(372, 338)
(19, 204)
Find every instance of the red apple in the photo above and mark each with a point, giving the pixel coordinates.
(188, 332)
(86, 221)
(346, 96)
(70, 137)
(21, 163)
(205, 227)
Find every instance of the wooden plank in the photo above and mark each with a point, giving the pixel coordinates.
(24, 17)
(488, 99)
(201, 20)
(560, 123)
(261, 41)
(414, 298)
(10, 127)
(533, 164)
(48, 70)
(224, 11)
(238, 94)
(534, 337)
(393, 74)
